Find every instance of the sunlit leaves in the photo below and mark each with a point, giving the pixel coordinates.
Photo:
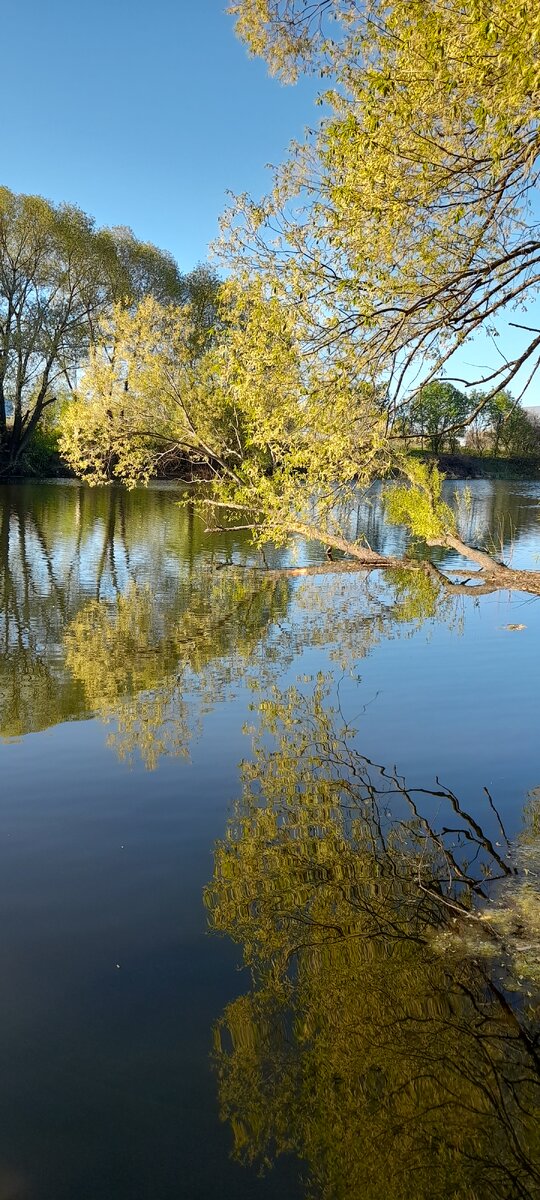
(58, 276)
(418, 504)
(405, 220)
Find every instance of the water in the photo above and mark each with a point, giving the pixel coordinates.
(377, 1041)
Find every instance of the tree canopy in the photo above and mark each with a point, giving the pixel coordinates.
(285, 437)
(503, 427)
(59, 275)
(407, 220)
(437, 408)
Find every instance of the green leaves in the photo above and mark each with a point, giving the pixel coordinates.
(59, 276)
(413, 193)
(419, 504)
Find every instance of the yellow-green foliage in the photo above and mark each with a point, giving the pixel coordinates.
(419, 504)
(131, 655)
(405, 218)
(398, 231)
(286, 434)
(142, 392)
(417, 594)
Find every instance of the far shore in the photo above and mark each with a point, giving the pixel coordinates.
(454, 466)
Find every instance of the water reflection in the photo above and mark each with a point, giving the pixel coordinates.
(381, 1041)
(104, 596)
(501, 516)
(75, 562)
(152, 667)
(387, 1041)
(116, 606)
(155, 668)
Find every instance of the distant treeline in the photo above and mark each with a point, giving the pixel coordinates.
(59, 276)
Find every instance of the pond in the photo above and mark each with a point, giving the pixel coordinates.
(268, 860)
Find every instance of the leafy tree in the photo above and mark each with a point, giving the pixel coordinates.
(504, 428)
(389, 239)
(410, 213)
(271, 424)
(397, 231)
(53, 281)
(201, 294)
(514, 432)
(146, 389)
(276, 429)
(438, 408)
(143, 270)
(58, 276)
(402, 226)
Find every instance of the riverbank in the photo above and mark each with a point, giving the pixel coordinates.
(470, 466)
(43, 461)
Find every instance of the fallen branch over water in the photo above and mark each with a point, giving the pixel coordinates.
(491, 575)
(481, 583)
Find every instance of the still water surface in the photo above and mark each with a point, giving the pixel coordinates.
(243, 827)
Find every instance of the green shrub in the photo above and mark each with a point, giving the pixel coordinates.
(42, 456)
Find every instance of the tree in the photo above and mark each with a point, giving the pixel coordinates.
(148, 387)
(286, 437)
(53, 268)
(58, 275)
(514, 432)
(404, 225)
(276, 429)
(504, 428)
(201, 293)
(143, 270)
(408, 218)
(397, 231)
(437, 408)
(389, 239)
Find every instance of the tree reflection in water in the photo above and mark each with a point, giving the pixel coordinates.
(84, 634)
(154, 669)
(387, 1040)
(65, 546)
(381, 1042)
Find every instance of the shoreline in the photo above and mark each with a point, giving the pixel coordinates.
(453, 466)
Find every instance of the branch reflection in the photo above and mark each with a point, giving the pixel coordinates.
(381, 1042)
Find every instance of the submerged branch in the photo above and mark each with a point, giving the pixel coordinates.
(498, 578)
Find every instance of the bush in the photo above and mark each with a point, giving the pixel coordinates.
(42, 456)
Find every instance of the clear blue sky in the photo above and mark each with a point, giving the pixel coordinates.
(142, 114)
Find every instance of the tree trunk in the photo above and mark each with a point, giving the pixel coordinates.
(3, 414)
(499, 578)
(481, 557)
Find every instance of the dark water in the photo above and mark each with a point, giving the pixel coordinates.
(204, 767)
